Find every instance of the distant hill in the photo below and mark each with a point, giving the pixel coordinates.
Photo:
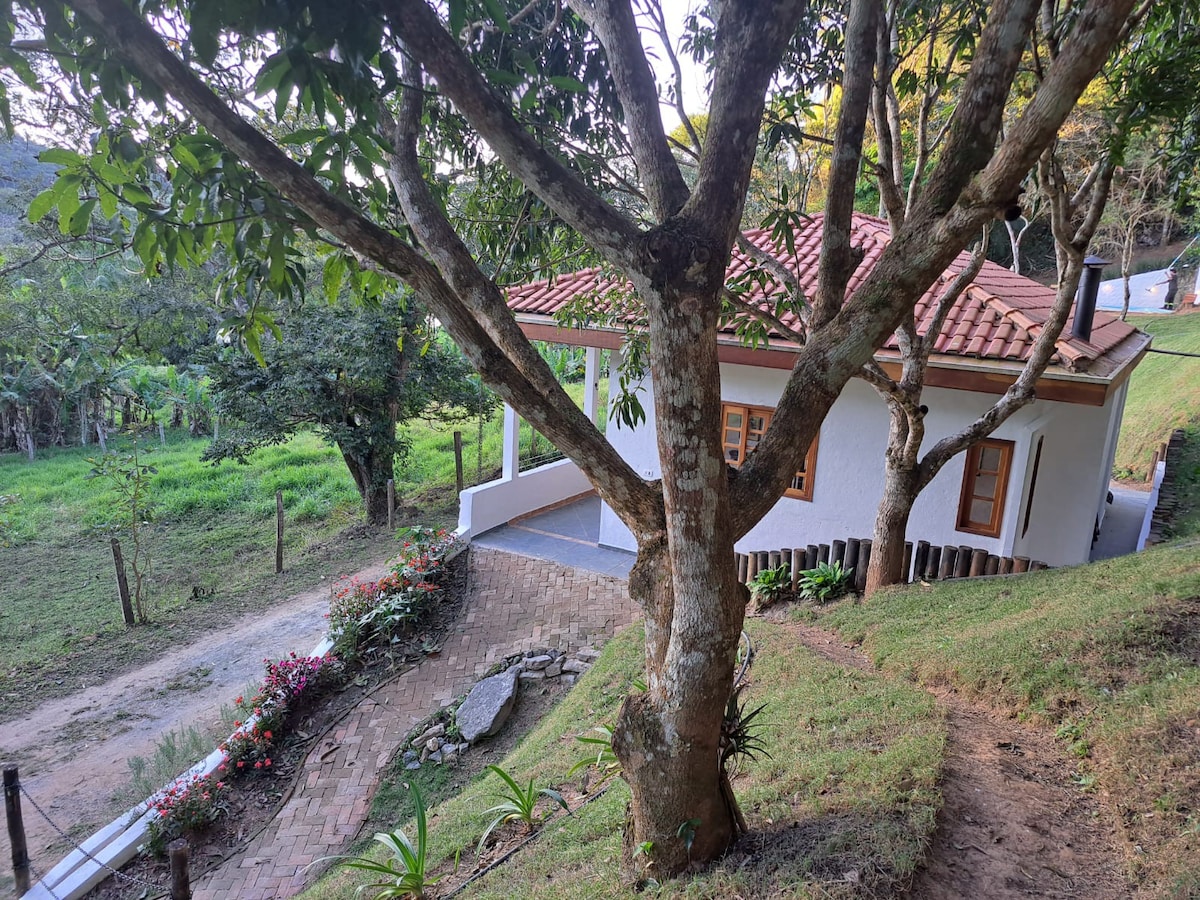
(22, 177)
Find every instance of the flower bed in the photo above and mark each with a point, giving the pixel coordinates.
(376, 614)
(365, 617)
(191, 805)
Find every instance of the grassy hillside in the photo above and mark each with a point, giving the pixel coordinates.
(1108, 654)
(849, 788)
(1164, 392)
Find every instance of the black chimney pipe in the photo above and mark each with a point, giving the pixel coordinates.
(1085, 299)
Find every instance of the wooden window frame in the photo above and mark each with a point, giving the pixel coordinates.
(967, 496)
(806, 475)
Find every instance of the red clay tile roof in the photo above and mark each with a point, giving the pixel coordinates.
(998, 317)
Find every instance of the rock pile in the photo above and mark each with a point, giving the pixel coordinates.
(491, 701)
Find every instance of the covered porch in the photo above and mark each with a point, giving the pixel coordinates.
(540, 508)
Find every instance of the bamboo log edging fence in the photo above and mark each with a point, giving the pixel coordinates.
(1170, 453)
(922, 561)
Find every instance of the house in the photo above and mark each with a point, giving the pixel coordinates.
(1037, 487)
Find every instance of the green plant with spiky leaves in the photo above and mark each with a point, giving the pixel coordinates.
(404, 873)
(825, 582)
(519, 804)
(770, 586)
(603, 759)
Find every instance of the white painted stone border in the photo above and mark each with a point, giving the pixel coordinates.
(119, 841)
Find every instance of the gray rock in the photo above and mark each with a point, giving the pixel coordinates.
(435, 732)
(537, 663)
(412, 766)
(568, 680)
(576, 666)
(436, 756)
(553, 670)
(587, 654)
(449, 755)
(532, 676)
(488, 706)
(432, 744)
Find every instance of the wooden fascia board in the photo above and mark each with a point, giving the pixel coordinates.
(981, 376)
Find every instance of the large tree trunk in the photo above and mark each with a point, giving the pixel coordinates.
(370, 471)
(668, 737)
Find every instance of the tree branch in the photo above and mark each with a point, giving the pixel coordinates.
(751, 38)
(608, 231)
(837, 261)
(615, 26)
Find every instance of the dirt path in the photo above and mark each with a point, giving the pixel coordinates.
(74, 752)
(1012, 824)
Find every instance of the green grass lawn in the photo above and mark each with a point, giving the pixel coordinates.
(1164, 392)
(850, 785)
(211, 542)
(1108, 654)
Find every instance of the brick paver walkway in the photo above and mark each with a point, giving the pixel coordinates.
(514, 604)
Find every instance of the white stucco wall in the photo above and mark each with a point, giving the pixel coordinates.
(1073, 475)
(486, 506)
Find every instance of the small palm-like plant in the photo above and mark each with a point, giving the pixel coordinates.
(518, 804)
(604, 759)
(404, 873)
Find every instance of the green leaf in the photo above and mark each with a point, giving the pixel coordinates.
(567, 83)
(81, 218)
(185, 157)
(496, 11)
(42, 204)
(59, 157)
(458, 17)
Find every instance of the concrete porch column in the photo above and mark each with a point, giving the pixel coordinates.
(591, 382)
(511, 460)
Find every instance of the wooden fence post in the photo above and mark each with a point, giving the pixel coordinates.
(458, 462)
(850, 561)
(1020, 564)
(908, 558)
(823, 553)
(1006, 566)
(978, 563)
(16, 829)
(742, 565)
(181, 887)
(935, 563)
(949, 557)
(992, 566)
(860, 568)
(391, 501)
(278, 532)
(920, 561)
(122, 583)
(837, 553)
(962, 565)
(811, 554)
(774, 560)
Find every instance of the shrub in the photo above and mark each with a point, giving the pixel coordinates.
(517, 804)
(188, 806)
(249, 747)
(824, 583)
(770, 586)
(380, 612)
(404, 874)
